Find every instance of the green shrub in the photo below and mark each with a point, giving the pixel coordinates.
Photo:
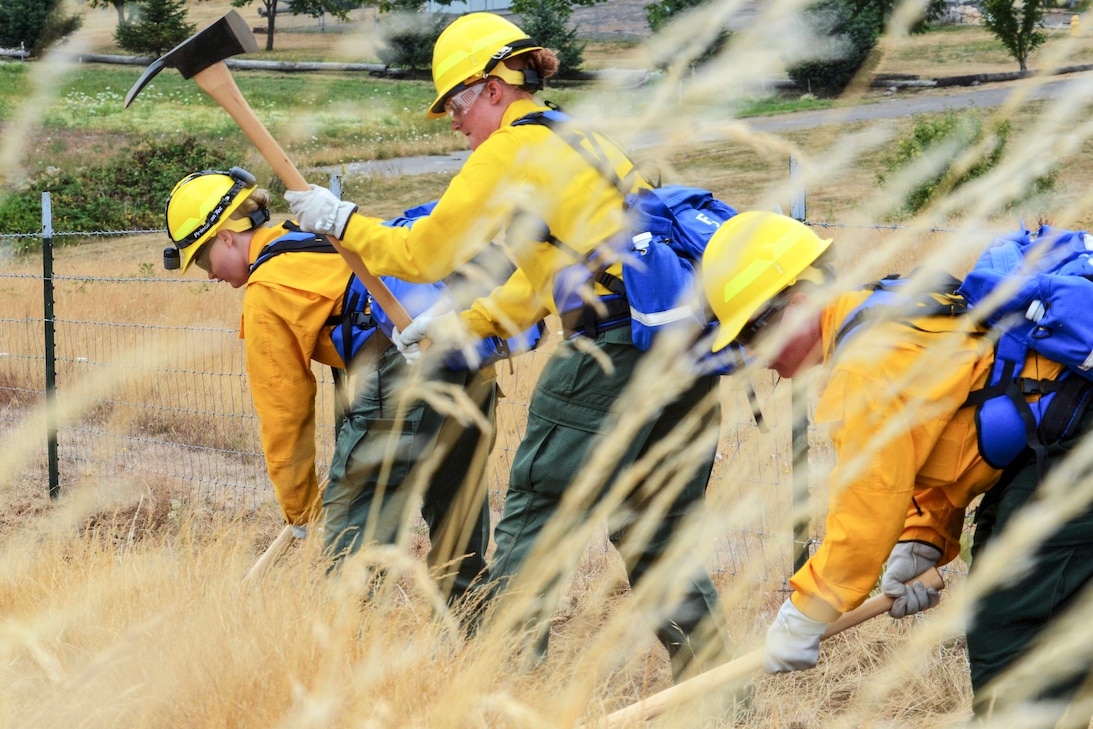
(408, 40)
(844, 38)
(127, 193)
(951, 132)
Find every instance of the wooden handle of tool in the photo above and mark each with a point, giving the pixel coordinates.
(277, 548)
(738, 668)
(272, 554)
(217, 82)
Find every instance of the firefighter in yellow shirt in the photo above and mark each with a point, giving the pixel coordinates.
(557, 207)
(908, 462)
(292, 308)
(216, 222)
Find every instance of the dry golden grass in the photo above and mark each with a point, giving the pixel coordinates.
(123, 601)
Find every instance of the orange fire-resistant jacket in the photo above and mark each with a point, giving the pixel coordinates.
(525, 180)
(907, 462)
(287, 302)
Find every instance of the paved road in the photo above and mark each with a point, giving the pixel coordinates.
(980, 97)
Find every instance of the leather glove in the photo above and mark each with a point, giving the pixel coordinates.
(907, 561)
(318, 210)
(793, 641)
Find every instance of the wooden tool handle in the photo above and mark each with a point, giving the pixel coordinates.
(738, 668)
(217, 82)
(272, 554)
(879, 604)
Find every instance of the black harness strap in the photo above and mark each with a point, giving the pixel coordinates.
(314, 244)
(591, 319)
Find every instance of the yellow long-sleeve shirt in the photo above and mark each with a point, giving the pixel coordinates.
(525, 180)
(903, 444)
(285, 309)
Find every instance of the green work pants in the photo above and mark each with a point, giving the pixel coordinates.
(573, 404)
(384, 451)
(1008, 621)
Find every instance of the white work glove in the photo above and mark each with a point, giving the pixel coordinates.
(318, 210)
(907, 561)
(793, 641)
(410, 350)
(299, 531)
(443, 327)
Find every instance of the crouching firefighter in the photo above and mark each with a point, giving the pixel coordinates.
(299, 308)
(904, 375)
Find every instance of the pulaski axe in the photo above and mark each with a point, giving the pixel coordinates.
(201, 57)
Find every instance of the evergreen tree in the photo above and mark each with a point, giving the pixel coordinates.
(160, 25)
(34, 24)
(547, 23)
(844, 37)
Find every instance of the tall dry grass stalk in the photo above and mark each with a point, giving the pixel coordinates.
(124, 606)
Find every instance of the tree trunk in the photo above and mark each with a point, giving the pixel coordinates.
(272, 18)
(119, 8)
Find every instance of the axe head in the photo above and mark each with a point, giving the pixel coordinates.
(229, 36)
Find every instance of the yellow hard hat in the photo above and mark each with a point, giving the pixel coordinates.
(750, 259)
(472, 48)
(200, 205)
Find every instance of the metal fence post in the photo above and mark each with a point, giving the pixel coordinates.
(797, 208)
(799, 408)
(50, 347)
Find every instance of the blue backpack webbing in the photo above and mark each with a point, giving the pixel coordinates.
(1037, 289)
(1008, 424)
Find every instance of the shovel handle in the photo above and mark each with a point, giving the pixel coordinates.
(217, 82)
(736, 669)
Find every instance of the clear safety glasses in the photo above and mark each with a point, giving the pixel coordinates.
(457, 105)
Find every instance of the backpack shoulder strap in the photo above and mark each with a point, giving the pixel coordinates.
(904, 299)
(294, 241)
(590, 145)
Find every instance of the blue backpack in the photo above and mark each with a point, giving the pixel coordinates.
(1034, 291)
(1044, 283)
(669, 229)
(361, 316)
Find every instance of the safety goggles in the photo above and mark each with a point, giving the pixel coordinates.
(458, 104)
(754, 327)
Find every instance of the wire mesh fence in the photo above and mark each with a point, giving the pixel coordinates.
(151, 387)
